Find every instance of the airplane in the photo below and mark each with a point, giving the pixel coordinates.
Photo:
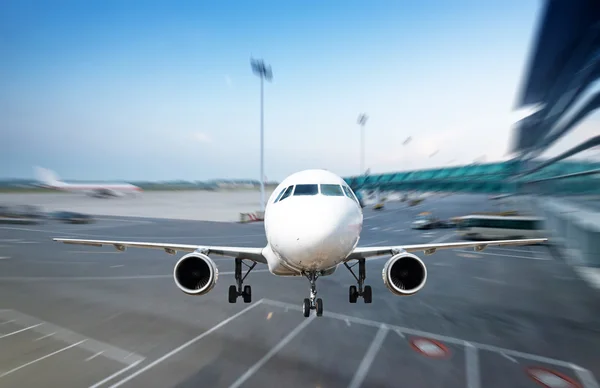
(313, 222)
(50, 180)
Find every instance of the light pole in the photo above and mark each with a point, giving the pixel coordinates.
(264, 72)
(362, 120)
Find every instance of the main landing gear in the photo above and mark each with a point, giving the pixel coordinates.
(311, 303)
(365, 292)
(236, 291)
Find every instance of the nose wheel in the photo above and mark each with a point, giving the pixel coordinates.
(312, 302)
(238, 290)
(362, 290)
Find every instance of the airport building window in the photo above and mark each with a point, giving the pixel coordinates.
(306, 190)
(287, 193)
(332, 190)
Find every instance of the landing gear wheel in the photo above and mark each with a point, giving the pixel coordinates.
(368, 294)
(352, 294)
(319, 307)
(306, 307)
(232, 294)
(240, 290)
(247, 294)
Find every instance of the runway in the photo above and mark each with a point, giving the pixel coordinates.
(73, 316)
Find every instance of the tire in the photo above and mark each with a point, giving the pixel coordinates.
(233, 294)
(368, 294)
(319, 307)
(247, 294)
(306, 307)
(352, 294)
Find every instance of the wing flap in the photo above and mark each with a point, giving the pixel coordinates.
(428, 249)
(254, 254)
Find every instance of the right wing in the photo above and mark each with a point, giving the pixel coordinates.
(428, 249)
(253, 254)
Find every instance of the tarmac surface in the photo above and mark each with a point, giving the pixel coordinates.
(73, 316)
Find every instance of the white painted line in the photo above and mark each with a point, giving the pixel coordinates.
(472, 364)
(185, 345)
(439, 337)
(586, 377)
(442, 238)
(117, 266)
(28, 242)
(367, 360)
(347, 322)
(490, 280)
(40, 359)
(4, 257)
(398, 230)
(243, 378)
(508, 250)
(83, 278)
(375, 243)
(118, 373)
(509, 358)
(10, 239)
(401, 334)
(4, 323)
(94, 356)
(45, 336)
(499, 254)
(20, 331)
(590, 275)
(96, 252)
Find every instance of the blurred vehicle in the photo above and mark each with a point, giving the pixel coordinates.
(426, 220)
(499, 227)
(71, 217)
(21, 211)
(378, 206)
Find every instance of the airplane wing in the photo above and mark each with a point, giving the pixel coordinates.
(428, 249)
(254, 254)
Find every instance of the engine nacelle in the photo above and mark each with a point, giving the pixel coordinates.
(404, 274)
(195, 274)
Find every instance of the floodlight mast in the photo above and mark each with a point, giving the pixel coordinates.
(362, 120)
(264, 72)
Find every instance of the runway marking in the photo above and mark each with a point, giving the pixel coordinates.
(44, 336)
(4, 323)
(468, 255)
(4, 257)
(11, 239)
(509, 358)
(585, 376)
(375, 243)
(399, 333)
(27, 242)
(367, 360)
(41, 358)
(94, 355)
(490, 280)
(82, 278)
(472, 365)
(182, 347)
(243, 378)
(19, 331)
(116, 374)
(499, 254)
(442, 238)
(117, 266)
(439, 337)
(96, 253)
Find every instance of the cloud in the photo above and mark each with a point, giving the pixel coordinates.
(228, 81)
(201, 137)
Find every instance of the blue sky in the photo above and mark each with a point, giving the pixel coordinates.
(128, 90)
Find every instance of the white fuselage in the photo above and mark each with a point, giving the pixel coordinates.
(109, 189)
(315, 231)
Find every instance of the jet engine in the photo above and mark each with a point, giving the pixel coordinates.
(404, 274)
(195, 274)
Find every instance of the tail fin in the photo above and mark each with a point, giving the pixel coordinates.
(47, 177)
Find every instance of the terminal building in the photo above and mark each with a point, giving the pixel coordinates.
(555, 168)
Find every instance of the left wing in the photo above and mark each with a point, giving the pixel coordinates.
(428, 249)
(254, 254)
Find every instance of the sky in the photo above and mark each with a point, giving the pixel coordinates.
(149, 90)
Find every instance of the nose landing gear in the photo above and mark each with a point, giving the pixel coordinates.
(353, 292)
(241, 290)
(311, 303)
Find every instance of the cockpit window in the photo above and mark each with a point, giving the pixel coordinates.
(280, 194)
(349, 193)
(306, 190)
(332, 190)
(287, 193)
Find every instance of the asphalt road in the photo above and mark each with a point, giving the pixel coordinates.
(73, 316)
